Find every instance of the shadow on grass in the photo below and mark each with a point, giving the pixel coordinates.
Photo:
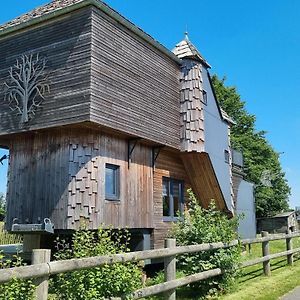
(248, 275)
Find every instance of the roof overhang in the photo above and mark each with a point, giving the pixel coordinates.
(104, 8)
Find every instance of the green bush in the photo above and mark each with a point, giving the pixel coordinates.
(208, 226)
(107, 281)
(15, 289)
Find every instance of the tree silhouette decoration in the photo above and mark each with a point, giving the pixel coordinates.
(27, 85)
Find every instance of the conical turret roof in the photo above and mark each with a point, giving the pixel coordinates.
(185, 49)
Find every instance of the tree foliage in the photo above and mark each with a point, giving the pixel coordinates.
(208, 226)
(102, 282)
(260, 158)
(2, 207)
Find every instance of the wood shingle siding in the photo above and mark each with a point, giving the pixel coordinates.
(66, 45)
(61, 175)
(191, 107)
(135, 88)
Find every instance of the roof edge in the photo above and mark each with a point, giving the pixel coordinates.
(217, 102)
(107, 10)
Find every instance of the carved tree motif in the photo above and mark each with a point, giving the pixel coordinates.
(26, 86)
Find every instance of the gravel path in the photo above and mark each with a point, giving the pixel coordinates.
(293, 295)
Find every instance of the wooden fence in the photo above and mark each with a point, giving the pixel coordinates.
(42, 267)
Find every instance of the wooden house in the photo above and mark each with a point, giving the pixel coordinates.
(104, 125)
(279, 223)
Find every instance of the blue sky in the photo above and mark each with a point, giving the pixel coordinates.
(255, 44)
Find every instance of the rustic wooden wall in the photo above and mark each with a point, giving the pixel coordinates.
(88, 155)
(60, 175)
(66, 44)
(168, 164)
(135, 88)
(38, 178)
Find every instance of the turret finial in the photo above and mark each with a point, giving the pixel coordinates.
(186, 36)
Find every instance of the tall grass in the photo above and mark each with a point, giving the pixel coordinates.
(7, 238)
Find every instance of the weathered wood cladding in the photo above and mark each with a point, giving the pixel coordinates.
(168, 164)
(88, 156)
(135, 88)
(38, 179)
(191, 107)
(60, 175)
(203, 179)
(66, 45)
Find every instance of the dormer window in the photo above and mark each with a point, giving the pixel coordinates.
(204, 97)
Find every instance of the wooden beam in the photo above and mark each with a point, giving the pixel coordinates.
(155, 153)
(131, 145)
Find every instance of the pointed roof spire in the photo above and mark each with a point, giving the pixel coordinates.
(185, 49)
(186, 36)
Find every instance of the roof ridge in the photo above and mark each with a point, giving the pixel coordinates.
(186, 49)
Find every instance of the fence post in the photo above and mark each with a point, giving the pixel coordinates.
(289, 246)
(170, 268)
(266, 252)
(41, 256)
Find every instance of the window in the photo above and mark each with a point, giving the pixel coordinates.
(227, 156)
(173, 198)
(112, 182)
(204, 96)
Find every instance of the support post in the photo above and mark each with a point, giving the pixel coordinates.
(170, 268)
(30, 242)
(266, 252)
(289, 246)
(41, 256)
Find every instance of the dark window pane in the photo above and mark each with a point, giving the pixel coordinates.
(172, 196)
(111, 181)
(204, 95)
(166, 206)
(176, 198)
(166, 197)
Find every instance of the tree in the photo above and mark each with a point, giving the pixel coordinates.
(2, 207)
(26, 85)
(261, 160)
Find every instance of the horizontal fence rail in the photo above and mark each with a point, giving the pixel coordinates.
(41, 271)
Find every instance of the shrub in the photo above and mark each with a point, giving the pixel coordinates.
(207, 226)
(107, 281)
(15, 289)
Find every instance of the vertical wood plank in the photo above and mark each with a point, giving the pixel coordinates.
(266, 252)
(289, 246)
(170, 268)
(41, 256)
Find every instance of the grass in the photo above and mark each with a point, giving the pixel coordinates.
(6, 238)
(254, 285)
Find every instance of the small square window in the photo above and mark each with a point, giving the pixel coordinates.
(204, 97)
(112, 182)
(227, 156)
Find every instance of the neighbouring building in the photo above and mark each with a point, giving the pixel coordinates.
(279, 223)
(104, 125)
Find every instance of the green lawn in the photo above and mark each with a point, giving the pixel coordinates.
(254, 285)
